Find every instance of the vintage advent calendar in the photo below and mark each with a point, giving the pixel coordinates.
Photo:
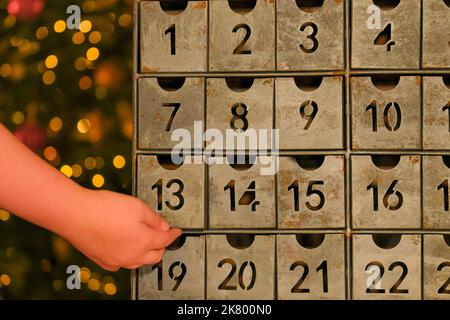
(358, 94)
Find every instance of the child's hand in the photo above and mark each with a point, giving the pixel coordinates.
(118, 231)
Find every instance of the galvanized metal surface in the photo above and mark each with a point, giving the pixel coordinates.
(436, 46)
(359, 246)
(295, 106)
(180, 275)
(386, 197)
(399, 36)
(175, 192)
(241, 273)
(318, 201)
(321, 263)
(242, 41)
(240, 197)
(436, 273)
(386, 117)
(190, 29)
(436, 170)
(436, 113)
(392, 273)
(310, 39)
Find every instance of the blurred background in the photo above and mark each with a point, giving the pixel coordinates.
(67, 95)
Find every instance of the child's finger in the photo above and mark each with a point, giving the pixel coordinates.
(162, 239)
(153, 256)
(154, 220)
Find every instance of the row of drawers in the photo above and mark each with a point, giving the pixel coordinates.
(281, 35)
(386, 113)
(307, 192)
(300, 266)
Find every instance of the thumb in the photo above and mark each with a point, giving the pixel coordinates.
(154, 220)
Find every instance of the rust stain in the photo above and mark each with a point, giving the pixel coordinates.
(338, 2)
(267, 81)
(199, 5)
(413, 159)
(418, 80)
(150, 69)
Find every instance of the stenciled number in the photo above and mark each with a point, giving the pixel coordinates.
(376, 269)
(444, 289)
(384, 38)
(178, 278)
(248, 32)
(310, 115)
(172, 31)
(179, 194)
(398, 112)
(311, 36)
(444, 187)
(447, 108)
(176, 107)
(240, 113)
(309, 192)
(389, 192)
(323, 267)
(224, 285)
(248, 198)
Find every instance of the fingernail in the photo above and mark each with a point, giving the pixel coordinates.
(165, 226)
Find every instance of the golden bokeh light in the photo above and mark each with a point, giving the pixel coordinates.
(41, 67)
(4, 215)
(95, 37)
(83, 126)
(92, 54)
(93, 284)
(80, 64)
(50, 153)
(5, 70)
(110, 289)
(88, 5)
(98, 181)
(85, 83)
(55, 124)
(51, 61)
(49, 77)
(25, 46)
(78, 38)
(18, 117)
(59, 26)
(42, 33)
(101, 92)
(85, 274)
(5, 280)
(66, 170)
(77, 170)
(125, 20)
(85, 26)
(119, 162)
(90, 163)
(10, 21)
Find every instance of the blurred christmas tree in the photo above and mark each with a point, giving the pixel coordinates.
(66, 94)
